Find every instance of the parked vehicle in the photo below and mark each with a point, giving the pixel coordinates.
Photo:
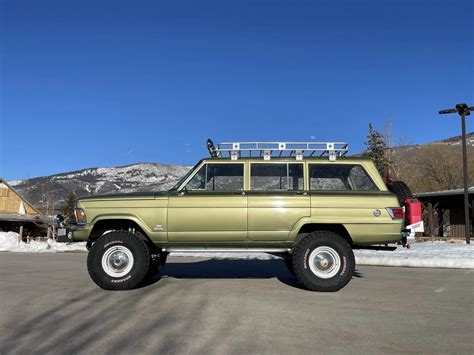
(306, 202)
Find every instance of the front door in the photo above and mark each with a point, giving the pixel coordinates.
(211, 208)
(276, 200)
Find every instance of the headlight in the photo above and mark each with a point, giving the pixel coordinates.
(80, 216)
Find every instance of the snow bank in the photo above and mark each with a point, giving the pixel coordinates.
(9, 241)
(437, 254)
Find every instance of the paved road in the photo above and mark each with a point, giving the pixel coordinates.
(49, 305)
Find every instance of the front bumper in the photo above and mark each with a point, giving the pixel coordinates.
(78, 233)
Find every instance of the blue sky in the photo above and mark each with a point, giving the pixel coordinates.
(106, 83)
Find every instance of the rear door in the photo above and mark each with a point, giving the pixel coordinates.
(212, 207)
(344, 193)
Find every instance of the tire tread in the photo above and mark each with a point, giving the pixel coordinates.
(94, 257)
(325, 237)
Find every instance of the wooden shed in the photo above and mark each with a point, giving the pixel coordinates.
(437, 204)
(19, 215)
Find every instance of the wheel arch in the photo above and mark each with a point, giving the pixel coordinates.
(107, 223)
(308, 228)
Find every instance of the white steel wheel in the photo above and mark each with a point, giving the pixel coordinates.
(324, 262)
(117, 261)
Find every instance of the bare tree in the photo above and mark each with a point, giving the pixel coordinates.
(426, 167)
(393, 143)
(441, 165)
(47, 205)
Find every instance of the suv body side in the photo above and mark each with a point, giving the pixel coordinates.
(248, 217)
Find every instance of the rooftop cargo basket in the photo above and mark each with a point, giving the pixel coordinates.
(267, 150)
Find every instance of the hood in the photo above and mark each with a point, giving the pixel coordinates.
(127, 195)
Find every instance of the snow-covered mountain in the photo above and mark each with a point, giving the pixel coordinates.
(93, 181)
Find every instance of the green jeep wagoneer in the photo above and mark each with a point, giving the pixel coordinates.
(305, 202)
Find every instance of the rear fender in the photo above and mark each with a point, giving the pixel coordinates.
(307, 225)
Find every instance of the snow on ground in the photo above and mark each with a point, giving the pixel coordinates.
(9, 241)
(437, 254)
(427, 254)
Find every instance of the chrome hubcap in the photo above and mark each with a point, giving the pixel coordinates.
(324, 262)
(117, 261)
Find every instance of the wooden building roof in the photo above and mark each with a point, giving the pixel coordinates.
(13, 206)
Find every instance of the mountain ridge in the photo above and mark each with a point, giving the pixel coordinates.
(48, 192)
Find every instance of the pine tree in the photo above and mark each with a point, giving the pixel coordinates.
(377, 150)
(69, 204)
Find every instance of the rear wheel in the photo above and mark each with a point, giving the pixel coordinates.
(323, 261)
(118, 260)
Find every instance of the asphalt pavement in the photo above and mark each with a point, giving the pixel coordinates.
(48, 304)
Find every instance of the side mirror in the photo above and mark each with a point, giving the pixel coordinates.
(59, 219)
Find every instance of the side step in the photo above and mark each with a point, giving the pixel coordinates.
(225, 250)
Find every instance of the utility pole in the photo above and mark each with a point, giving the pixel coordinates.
(463, 110)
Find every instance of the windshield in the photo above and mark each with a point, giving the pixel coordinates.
(180, 181)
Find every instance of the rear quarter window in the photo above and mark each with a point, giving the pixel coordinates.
(340, 177)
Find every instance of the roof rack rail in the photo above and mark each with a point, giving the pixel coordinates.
(267, 150)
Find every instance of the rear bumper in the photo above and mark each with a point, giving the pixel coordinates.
(408, 236)
(371, 234)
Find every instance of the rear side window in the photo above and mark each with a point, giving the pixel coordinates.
(276, 177)
(339, 177)
(218, 177)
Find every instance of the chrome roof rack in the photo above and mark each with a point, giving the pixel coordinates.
(267, 150)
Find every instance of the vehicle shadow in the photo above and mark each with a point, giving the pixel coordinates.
(230, 269)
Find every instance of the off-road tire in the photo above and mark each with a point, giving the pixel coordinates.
(157, 262)
(400, 189)
(336, 244)
(121, 239)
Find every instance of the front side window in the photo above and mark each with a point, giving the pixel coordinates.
(276, 177)
(339, 177)
(218, 177)
(198, 180)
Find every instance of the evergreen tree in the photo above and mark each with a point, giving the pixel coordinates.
(377, 150)
(69, 204)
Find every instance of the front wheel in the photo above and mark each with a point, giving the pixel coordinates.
(118, 260)
(323, 261)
